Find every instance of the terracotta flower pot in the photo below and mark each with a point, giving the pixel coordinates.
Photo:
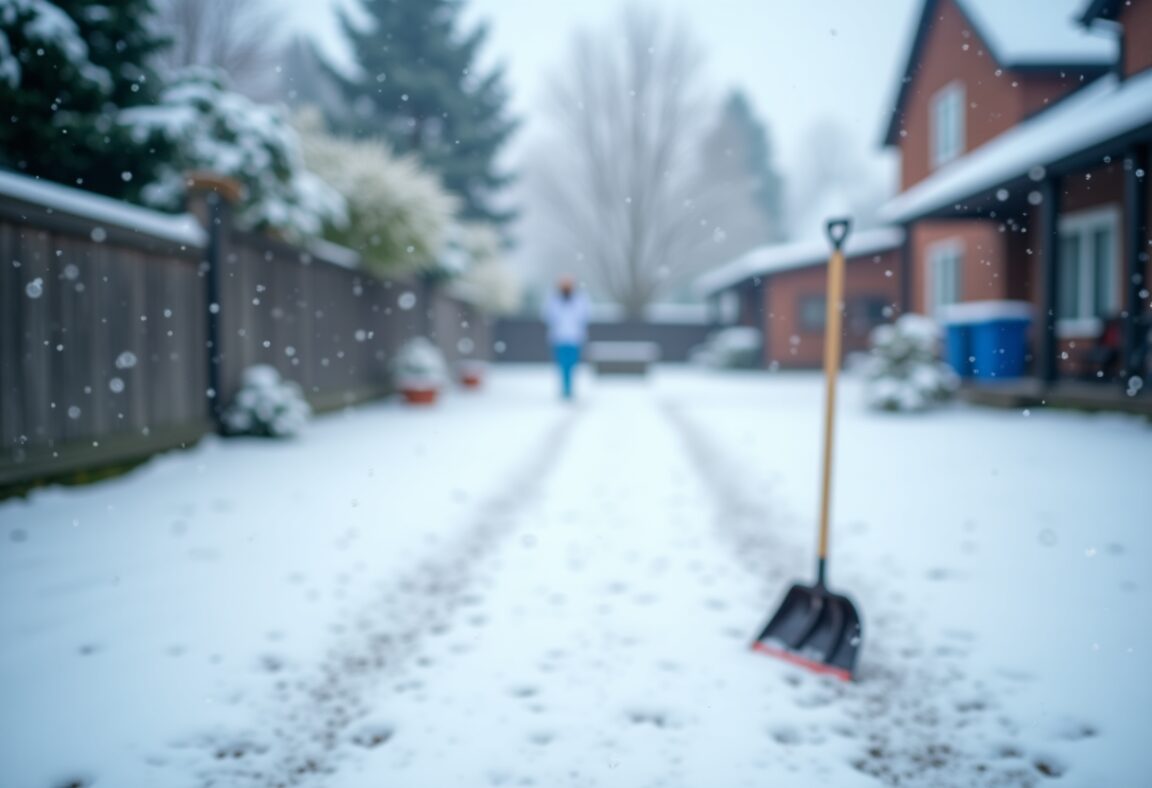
(471, 374)
(419, 395)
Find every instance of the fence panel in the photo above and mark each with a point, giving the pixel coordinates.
(104, 324)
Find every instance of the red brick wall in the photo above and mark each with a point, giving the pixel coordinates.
(985, 266)
(1137, 21)
(788, 343)
(996, 99)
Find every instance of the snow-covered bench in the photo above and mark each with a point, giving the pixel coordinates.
(622, 358)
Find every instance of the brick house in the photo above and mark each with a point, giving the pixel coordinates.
(779, 290)
(1024, 131)
(1024, 158)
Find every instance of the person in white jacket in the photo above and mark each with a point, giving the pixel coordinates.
(566, 313)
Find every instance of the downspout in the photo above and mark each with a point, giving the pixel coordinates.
(906, 269)
(1049, 278)
(1136, 164)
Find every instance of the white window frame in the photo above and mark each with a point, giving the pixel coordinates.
(1082, 226)
(951, 250)
(947, 123)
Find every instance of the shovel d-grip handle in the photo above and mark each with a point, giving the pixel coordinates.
(838, 230)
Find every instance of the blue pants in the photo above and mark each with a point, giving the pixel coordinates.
(567, 357)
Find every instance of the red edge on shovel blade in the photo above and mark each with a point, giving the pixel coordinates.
(817, 667)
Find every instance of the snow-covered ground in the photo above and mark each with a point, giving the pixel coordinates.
(507, 591)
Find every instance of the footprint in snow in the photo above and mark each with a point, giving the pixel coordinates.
(650, 717)
(371, 736)
(271, 663)
(786, 735)
(1072, 730)
(1049, 766)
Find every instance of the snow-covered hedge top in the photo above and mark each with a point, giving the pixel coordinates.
(181, 229)
(49, 26)
(223, 132)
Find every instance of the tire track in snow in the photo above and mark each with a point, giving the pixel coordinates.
(921, 719)
(313, 718)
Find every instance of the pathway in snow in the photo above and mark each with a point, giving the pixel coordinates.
(558, 598)
(604, 643)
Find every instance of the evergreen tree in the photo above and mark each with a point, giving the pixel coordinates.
(741, 193)
(70, 67)
(420, 89)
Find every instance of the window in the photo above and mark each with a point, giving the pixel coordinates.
(947, 124)
(864, 313)
(944, 275)
(1086, 272)
(813, 313)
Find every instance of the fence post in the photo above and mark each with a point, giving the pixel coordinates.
(211, 199)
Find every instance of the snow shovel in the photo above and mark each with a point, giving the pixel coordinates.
(814, 627)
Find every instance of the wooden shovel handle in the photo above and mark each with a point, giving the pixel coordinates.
(833, 323)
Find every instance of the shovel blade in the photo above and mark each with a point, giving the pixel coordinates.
(815, 628)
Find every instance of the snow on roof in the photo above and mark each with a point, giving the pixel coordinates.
(1018, 33)
(1032, 32)
(1093, 115)
(799, 254)
(181, 229)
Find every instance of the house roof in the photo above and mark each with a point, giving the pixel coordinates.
(765, 260)
(1101, 9)
(1100, 114)
(1021, 34)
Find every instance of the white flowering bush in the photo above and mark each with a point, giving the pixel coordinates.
(420, 364)
(216, 130)
(399, 214)
(267, 405)
(489, 281)
(902, 372)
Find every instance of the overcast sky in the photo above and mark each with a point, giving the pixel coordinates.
(799, 61)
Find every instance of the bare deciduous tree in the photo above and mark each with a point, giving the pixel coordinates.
(240, 37)
(616, 178)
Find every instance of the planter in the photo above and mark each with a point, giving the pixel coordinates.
(420, 395)
(471, 374)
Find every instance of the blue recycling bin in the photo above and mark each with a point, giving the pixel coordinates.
(1000, 348)
(958, 348)
(987, 340)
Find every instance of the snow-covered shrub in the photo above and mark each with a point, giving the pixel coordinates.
(420, 364)
(47, 26)
(67, 69)
(267, 405)
(217, 130)
(902, 372)
(737, 347)
(398, 212)
(489, 281)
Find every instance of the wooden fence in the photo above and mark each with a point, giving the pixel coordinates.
(109, 326)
